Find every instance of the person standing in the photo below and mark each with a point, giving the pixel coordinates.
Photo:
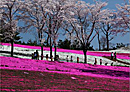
(37, 55)
(95, 61)
(100, 61)
(47, 57)
(52, 58)
(115, 55)
(67, 58)
(57, 58)
(112, 56)
(71, 59)
(77, 59)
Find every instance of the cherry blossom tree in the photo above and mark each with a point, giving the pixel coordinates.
(108, 26)
(68, 32)
(84, 22)
(8, 12)
(34, 18)
(56, 10)
(124, 15)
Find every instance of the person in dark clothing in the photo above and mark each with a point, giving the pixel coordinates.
(36, 55)
(67, 58)
(71, 59)
(47, 57)
(57, 57)
(100, 61)
(115, 55)
(77, 59)
(95, 61)
(32, 55)
(112, 56)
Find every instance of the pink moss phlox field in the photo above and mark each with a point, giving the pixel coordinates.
(48, 90)
(65, 68)
(119, 55)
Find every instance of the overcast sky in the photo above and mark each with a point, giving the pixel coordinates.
(118, 39)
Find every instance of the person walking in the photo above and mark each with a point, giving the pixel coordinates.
(112, 56)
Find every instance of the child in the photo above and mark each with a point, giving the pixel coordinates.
(47, 57)
(32, 55)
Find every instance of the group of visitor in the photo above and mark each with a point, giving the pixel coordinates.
(113, 55)
(71, 58)
(35, 55)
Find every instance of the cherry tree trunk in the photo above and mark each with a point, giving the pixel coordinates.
(48, 41)
(12, 47)
(99, 43)
(50, 49)
(107, 42)
(55, 52)
(85, 56)
(41, 52)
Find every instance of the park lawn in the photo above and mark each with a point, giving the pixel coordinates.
(23, 80)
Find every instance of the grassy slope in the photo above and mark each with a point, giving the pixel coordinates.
(19, 81)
